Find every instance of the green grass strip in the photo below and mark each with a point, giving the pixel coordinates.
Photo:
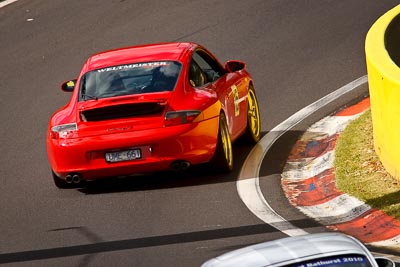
(359, 172)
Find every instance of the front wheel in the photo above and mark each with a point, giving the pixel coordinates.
(253, 129)
(223, 156)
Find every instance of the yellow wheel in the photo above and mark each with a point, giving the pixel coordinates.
(253, 130)
(223, 156)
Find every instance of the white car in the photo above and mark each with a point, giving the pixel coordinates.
(312, 250)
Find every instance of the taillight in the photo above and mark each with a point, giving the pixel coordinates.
(182, 117)
(61, 131)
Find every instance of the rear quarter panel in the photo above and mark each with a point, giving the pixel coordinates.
(232, 90)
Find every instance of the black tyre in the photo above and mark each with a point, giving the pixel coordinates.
(253, 129)
(223, 157)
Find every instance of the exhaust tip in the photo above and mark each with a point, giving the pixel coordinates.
(73, 178)
(185, 165)
(68, 178)
(180, 165)
(175, 166)
(76, 179)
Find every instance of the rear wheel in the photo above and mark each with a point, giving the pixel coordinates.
(253, 130)
(223, 157)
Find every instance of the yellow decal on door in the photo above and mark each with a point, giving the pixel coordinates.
(236, 99)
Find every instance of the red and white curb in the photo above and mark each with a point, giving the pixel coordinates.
(308, 181)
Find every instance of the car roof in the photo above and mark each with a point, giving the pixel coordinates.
(290, 250)
(174, 51)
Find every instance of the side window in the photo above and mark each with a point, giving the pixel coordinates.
(196, 76)
(203, 69)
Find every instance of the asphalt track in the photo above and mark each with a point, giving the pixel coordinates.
(297, 52)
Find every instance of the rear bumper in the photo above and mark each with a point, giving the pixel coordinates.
(161, 147)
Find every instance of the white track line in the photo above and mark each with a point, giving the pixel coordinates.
(7, 2)
(248, 184)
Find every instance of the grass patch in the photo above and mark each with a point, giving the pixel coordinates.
(359, 172)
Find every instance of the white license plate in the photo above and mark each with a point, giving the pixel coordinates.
(125, 155)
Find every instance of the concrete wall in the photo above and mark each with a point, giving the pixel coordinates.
(382, 48)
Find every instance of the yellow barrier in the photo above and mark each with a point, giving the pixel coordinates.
(382, 49)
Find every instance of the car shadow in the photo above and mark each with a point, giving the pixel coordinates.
(99, 246)
(102, 246)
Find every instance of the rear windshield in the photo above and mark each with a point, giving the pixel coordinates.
(130, 79)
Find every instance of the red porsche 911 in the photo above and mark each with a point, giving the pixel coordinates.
(151, 108)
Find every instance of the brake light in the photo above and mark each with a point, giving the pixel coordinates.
(61, 131)
(182, 117)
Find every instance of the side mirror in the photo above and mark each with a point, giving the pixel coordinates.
(234, 65)
(69, 86)
(384, 262)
